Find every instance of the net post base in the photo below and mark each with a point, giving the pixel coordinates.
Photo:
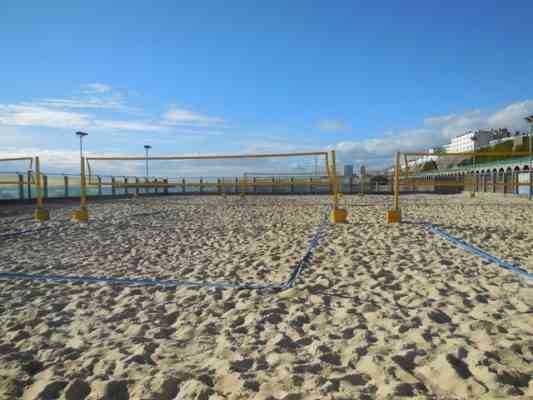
(394, 216)
(81, 215)
(41, 215)
(338, 215)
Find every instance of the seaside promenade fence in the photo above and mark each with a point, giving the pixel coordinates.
(67, 186)
(500, 177)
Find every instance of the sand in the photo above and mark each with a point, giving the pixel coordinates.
(382, 311)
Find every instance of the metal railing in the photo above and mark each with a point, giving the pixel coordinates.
(55, 185)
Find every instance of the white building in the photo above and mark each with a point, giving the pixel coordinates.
(425, 159)
(469, 141)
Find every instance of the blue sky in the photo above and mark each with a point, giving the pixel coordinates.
(367, 78)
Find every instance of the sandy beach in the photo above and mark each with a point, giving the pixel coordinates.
(381, 311)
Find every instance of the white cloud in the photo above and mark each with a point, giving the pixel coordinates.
(378, 152)
(93, 96)
(57, 113)
(272, 147)
(63, 160)
(127, 125)
(85, 112)
(455, 124)
(512, 116)
(181, 116)
(88, 103)
(30, 115)
(96, 87)
(333, 125)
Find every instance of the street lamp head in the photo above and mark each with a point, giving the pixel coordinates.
(81, 134)
(529, 119)
(147, 146)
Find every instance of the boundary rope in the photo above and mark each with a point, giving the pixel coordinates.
(20, 233)
(300, 266)
(313, 243)
(478, 252)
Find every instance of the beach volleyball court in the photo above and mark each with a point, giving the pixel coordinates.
(210, 239)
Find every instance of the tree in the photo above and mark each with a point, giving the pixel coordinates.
(429, 166)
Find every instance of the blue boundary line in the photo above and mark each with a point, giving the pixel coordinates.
(478, 252)
(20, 233)
(306, 259)
(300, 266)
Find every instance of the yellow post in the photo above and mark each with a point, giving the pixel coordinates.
(362, 180)
(406, 166)
(334, 177)
(40, 213)
(243, 186)
(395, 215)
(89, 171)
(397, 184)
(406, 173)
(337, 214)
(83, 184)
(82, 215)
(328, 172)
(474, 177)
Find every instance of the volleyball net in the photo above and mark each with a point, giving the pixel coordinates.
(15, 173)
(243, 174)
(21, 178)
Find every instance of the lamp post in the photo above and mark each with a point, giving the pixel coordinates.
(146, 149)
(529, 120)
(81, 135)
